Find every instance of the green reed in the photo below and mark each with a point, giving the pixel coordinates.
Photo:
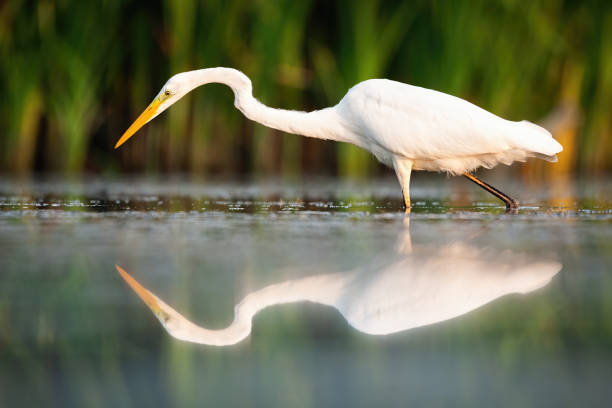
(75, 74)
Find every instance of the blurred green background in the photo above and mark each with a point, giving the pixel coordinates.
(75, 74)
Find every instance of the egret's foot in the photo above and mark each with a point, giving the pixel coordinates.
(407, 205)
(512, 206)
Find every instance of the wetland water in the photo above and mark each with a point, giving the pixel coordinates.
(350, 304)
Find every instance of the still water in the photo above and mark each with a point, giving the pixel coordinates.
(311, 293)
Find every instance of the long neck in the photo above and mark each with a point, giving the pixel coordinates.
(321, 124)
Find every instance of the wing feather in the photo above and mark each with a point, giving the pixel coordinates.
(423, 124)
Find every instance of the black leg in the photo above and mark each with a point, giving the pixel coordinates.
(511, 204)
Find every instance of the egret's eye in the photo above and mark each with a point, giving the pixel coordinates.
(167, 92)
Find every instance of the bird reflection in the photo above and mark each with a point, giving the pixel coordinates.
(418, 287)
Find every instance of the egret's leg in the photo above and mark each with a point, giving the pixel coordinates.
(403, 168)
(511, 204)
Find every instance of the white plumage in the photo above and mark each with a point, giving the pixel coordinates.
(437, 131)
(404, 126)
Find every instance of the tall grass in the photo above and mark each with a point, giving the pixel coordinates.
(74, 74)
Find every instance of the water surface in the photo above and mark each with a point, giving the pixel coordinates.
(466, 305)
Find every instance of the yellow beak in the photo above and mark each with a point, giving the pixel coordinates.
(144, 294)
(138, 123)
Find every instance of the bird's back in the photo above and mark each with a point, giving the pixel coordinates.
(439, 132)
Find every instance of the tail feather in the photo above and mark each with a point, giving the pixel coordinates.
(552, 159)
(538, 140)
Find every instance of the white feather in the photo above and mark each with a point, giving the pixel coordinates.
(438, 132)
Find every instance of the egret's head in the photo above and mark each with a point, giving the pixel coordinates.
(172, 91)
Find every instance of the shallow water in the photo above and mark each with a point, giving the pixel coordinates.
(462, 305)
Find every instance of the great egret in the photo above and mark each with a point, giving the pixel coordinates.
(423, 287)
(406, 127)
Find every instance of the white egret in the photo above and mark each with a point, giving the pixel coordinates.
(406, 127)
